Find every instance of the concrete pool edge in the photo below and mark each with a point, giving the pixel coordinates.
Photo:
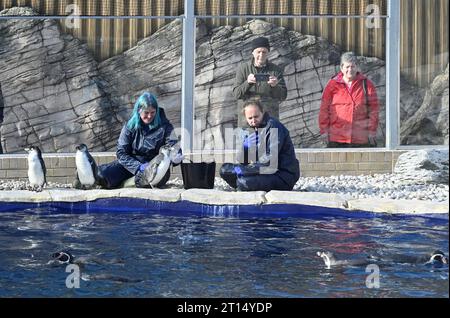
(288, 202)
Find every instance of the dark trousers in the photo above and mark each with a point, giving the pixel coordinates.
(113, 174)
(253, 182)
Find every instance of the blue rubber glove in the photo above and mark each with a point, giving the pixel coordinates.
(143, 166)
(251, 140)
(177, 158)
(238, 171)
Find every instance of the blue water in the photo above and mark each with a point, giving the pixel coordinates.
(158, 255)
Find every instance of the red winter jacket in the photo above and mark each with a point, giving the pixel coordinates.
(344, 115)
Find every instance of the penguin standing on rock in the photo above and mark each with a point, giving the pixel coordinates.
(86, 168)
(36, 168)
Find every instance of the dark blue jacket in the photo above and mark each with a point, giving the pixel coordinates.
(142, 145)
(288, 166)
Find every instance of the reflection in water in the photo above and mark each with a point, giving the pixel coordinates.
(153, 255)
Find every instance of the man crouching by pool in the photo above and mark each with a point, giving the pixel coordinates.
(267, 157)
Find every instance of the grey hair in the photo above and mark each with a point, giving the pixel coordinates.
(349, 57)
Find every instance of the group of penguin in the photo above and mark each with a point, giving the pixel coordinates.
(87, 170)
(435, 259)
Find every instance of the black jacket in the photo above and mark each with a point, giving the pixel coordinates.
(286, 164)
(142, 145)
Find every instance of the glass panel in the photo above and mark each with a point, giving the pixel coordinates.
(424, 72)
(64, 83)
(308, 52)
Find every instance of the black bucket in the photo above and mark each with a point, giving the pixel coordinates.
(198, 174)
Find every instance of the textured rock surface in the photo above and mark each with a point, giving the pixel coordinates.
(51, 89)
(56, 95)
(428, 124)
(427, 166)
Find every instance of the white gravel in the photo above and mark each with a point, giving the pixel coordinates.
(389, 186)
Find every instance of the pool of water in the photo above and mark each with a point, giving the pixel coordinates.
(160, 255)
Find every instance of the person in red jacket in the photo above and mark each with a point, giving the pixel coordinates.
(349, 109)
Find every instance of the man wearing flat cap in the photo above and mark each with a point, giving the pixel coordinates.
(259, 79)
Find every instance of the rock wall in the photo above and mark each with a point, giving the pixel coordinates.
(52, 90)
(426, 123)
(423, 166)
(56, 95)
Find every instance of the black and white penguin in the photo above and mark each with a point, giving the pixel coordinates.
(437, 258)
(158, 166)
(36, 168)
(86, 168)
(63, 257)
(330, 260)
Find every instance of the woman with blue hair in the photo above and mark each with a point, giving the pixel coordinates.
(140, 140)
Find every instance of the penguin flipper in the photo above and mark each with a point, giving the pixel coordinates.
(150, 172)
(44, 170)
(93, 164)
(76, 183)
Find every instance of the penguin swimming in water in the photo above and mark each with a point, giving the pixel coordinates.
(36, 168)
(86, 168)
(65, 257)
(437, 258)
(330, 260)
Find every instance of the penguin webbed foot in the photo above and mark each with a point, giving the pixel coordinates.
(76, 184)
(35, 188)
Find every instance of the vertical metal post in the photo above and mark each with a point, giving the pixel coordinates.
(393, 75)
(188, 77)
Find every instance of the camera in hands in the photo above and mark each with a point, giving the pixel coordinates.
(262, 77)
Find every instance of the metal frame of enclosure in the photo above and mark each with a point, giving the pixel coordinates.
(392, 72)
(392, 32)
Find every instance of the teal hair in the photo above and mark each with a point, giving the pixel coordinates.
(144, 101)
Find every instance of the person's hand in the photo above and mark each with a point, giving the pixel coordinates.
(143, 166)
(372, 141)
(177, 158)
(324, 139)
(273, 81)
(251, 140)
(238, 171)
(251, 79)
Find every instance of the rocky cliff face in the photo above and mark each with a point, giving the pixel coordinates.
(56, 95)
(51, 87)
(424, 120)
